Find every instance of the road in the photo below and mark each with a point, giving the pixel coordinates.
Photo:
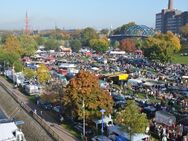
(63, 133)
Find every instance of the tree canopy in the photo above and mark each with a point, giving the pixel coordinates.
(131, 119)
(85, 88)
(122, 29)
(51, 44)
(127, 45)
(161, 46)
(29, 73)
(43, 74)
(12, 44)
(28, 45)
(88, 34)
(75, 45)
(99, 45)
(184, 30)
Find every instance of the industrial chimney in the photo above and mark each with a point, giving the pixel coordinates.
(170, 4)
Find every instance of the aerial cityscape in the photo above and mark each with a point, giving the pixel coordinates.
(92, 70)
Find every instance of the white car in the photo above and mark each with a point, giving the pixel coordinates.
(100, 138)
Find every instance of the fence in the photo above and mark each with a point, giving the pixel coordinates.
(47, 127)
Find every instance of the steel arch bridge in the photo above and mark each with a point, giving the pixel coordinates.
(135, 31)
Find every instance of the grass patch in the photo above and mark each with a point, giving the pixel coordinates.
(71, 130)
(180, 59)
(32, 98)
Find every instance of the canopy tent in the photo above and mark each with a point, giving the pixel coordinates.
(107, 120)
(165, 118)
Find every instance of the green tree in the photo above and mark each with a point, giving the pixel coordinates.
(84, 89)
(122, 29)
(28, 45)
(51, 44)
(18, 66)
(99, 45)
(104, 31)
(40, 40)
(75, 45)
(8, 58)
(131, 119)
(114, 44)
(88, 34)
(43, 74)
(29, 73)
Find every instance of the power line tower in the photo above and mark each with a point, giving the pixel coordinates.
(26, 24)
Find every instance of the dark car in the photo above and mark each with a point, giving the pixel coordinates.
(45, 105)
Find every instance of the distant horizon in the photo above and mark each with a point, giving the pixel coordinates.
(48, 14)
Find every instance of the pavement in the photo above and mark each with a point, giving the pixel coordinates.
(46, 115)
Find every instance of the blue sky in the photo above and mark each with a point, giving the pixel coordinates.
(71, 14)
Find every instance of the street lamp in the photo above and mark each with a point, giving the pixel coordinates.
(102, 130)
(84, 127)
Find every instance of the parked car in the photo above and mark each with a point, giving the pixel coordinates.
(45, 105)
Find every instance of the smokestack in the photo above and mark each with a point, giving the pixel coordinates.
(170, 4)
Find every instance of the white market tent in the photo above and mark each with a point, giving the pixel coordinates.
(6, 130)
(119, 130)
(66, 65)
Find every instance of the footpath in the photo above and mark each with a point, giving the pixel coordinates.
(43, 118)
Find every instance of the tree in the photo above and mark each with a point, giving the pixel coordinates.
(28, 45)
(184, 30)
(8, 57)
(104, 31)
(51, 44)
(40, 40)
(12, 44)
(75, 45)
(131, 119)
(99, 45)
(42, 74)
(29, 73)
(18, 66)
(127, 45)
(123, 28)
(84, 90)
(161, 47)
(54, 91)
(115, 44)
(88, 34)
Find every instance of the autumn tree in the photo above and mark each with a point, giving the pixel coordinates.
(12, 44)
(99, 45)
(29, 73)
(84, 90)
(131, 119)
(184, 30)
(161, 47)
(42, 74)
(127, 45)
